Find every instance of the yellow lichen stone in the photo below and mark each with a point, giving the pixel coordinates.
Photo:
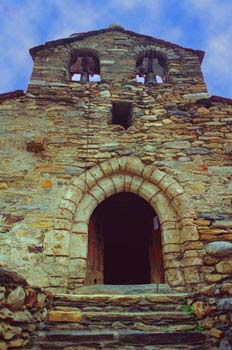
(3, 186)
(214, 277)
(64, 316)
(224, 267)
(46, 184)
(217, 333)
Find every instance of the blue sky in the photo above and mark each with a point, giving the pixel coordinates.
(199, 24)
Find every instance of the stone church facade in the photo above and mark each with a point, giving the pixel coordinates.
(116, 168)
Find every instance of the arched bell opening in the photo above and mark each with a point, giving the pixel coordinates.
(151, 67)
(84, 66)
(124, 242)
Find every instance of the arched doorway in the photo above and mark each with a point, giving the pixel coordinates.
(124, 242)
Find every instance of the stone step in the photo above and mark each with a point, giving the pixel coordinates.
(124, 289)
(109, 302)
(121, 340)
(150, 321)
(120, 325)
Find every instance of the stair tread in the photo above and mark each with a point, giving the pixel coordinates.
(123, 313)
(124, 335)
(118, 296)
(117, 319)
(111, 332)
(98, 318)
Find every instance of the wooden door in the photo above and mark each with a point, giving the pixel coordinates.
(95, 273)
(156, 257)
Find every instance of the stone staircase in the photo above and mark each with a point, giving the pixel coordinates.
(123, 322)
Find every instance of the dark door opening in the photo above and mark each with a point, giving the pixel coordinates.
(124, 247)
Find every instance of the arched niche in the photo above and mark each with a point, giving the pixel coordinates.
(84, 65)
(124, 242)
(160, 190)
(151, 67)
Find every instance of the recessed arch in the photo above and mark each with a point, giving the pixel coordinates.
(84, 65)
(151, 67)
(124, 242)
(160, 190)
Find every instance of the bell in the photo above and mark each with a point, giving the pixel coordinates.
(85, 73)
(84, 77)
(150, 79)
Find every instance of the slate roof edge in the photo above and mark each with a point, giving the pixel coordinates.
(221, 99)
(217, 99)
(11, 94)
(82, 36)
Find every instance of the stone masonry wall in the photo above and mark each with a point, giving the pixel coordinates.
(22, 309)
(60, 129)
(48, 140)
(117, 52)
(212, 308)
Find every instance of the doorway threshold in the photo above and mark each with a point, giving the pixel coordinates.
(124, 289)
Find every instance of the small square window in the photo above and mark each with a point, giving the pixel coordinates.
(122, 114)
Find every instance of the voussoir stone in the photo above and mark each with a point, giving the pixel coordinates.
(16, 298)
(219, 248)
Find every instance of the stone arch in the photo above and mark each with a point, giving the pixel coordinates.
(159, 62)
(171, 57)
(160, 190)
(85, 63)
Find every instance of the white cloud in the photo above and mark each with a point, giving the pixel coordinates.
(21, 28)
(215, 16)
(217, 65)
(74, 16)
(129, 5)
(19, 33)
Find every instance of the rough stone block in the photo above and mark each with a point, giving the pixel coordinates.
(78, 245)
(98, 193)
(115, 165)
(96, 172)
(174, 277)
(157, 176)
(85, 208)
(106, 167)
(77, 268)
(107, 185)
(127, 182)
(224, 267)
(174, 190)
(134, 166)
(73, 194)
(64, 316)
(67, 204)
(171, 236)
(79, 227)
(16, 298)
(119, 182)
(191, 274)
(219, 248)
(147, 190)
(163, 208)
(57, 243)
(189, 233)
